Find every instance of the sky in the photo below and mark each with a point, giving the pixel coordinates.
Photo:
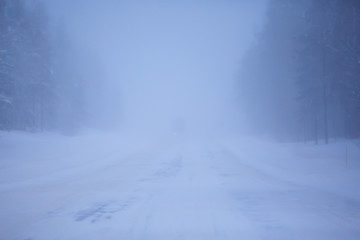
(166, 61)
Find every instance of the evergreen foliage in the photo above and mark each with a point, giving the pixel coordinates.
(34, 72)
(308, 55)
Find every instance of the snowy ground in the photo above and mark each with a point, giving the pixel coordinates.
(101, 186)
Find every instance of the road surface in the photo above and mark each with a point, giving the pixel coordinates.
(183, 190)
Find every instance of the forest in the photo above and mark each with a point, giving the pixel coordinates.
(299, 81)
(305, 68)
(42, 84)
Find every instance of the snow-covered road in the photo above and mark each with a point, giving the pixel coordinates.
(174, 190)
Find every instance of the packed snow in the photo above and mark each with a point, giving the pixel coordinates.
(107, 186)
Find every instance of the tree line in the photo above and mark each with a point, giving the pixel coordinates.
(302, 77)
(40, 85)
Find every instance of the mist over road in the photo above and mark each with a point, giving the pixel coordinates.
(165, 60)
(191, 119)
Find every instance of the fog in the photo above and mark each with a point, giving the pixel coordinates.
(288, 70)
(166, 63)
(189, 119)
